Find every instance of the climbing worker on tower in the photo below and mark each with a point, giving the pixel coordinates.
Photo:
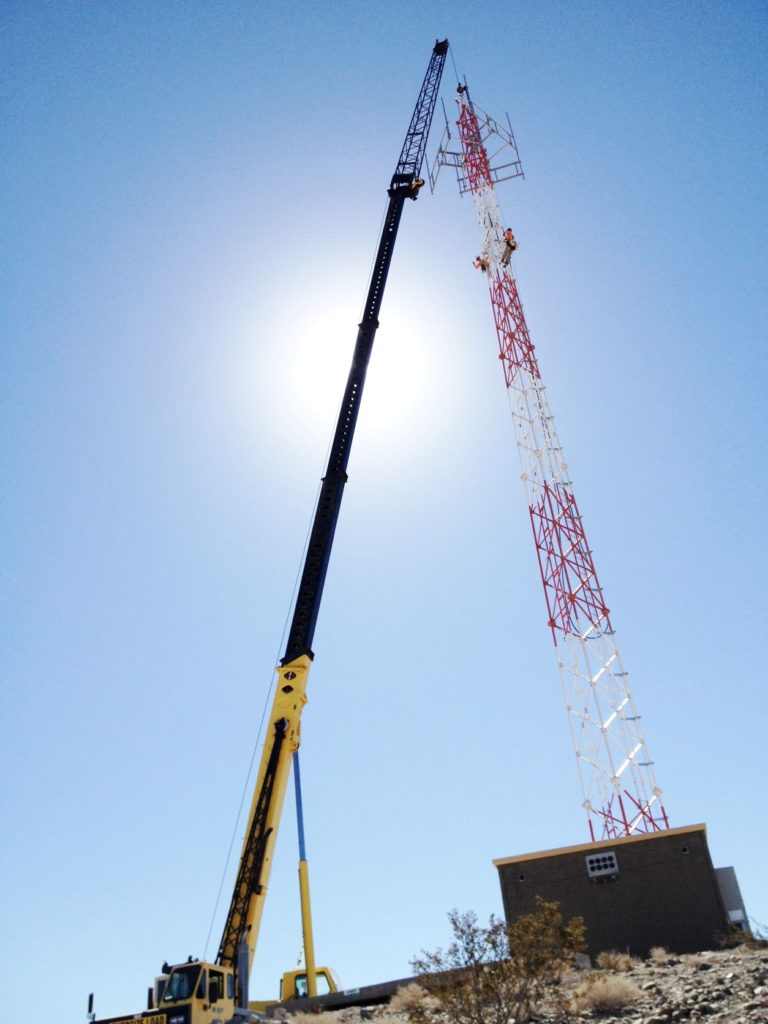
(481, 263)
(510, 244)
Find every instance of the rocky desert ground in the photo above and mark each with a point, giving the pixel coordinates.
(722, 987)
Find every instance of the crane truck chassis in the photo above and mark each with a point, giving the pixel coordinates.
(200, 992)
(365, 995)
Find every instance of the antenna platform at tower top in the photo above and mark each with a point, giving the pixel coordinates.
(503, 156)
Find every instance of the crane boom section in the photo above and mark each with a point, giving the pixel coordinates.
(405, 184)
(282, 739)
(415, 145)
(283, 730)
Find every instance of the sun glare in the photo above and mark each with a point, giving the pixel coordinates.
(296, 369)
(395, 394)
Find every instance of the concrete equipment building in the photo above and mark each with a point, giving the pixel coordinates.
(634, 892)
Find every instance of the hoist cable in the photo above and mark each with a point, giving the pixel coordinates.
(458, 80)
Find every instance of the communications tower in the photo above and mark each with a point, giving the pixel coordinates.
(620, 794)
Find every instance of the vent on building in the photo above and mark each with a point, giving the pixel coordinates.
(601, 864)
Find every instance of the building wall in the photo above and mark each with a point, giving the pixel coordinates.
(651, 890)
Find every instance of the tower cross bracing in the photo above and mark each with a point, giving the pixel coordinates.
(620, 794)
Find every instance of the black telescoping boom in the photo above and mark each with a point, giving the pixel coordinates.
(405, 184)
(283, 731)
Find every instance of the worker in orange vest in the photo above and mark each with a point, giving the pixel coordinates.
(510, 244)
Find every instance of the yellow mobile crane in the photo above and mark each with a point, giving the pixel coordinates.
(199, 992)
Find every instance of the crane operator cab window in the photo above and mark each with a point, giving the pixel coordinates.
(182, 983)
(194, 980)
(302, 987)
(216, 986)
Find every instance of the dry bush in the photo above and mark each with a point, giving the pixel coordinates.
(753, 944)
(692, 959)
(325, 1017)
(738, 939)
(383, 1016)
(413, 1000)
(605, 993)
(502, 972)
(611, 960)
(659, 955)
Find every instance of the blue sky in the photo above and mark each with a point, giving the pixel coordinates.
(192, 196)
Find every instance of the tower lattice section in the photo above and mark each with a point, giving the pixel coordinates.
(620, 794)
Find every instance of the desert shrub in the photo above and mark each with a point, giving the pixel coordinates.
(489, 975)
(737, 938)
(415, 1001)
(325, 1017)
(605, 993)
(610, 960)
(752, 944)
(659, 955)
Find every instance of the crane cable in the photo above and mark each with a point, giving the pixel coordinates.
(458, 80)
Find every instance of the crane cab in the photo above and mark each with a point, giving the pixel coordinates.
(293, 984)
(196, 993)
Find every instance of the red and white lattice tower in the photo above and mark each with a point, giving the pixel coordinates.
(621, 797)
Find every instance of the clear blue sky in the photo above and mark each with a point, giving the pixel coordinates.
(192, 194)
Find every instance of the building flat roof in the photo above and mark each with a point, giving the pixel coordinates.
(600, 845)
